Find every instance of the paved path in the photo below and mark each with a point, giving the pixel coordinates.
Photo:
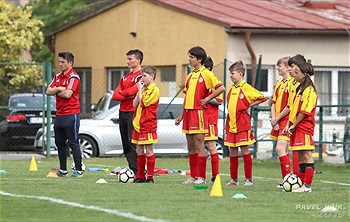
(20, 156)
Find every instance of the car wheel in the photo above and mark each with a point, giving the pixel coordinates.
(88, 146)
(220, 147)
(346, 149)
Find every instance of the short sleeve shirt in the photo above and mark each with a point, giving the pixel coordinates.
(197, 87)
(305, 103)
(71, 105)
(281, 95)
(239, 98)
(292, 93)
(145, 117)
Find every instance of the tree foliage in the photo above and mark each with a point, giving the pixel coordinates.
(56, 13)
(18, 33)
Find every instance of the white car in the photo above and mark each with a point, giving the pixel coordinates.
(100, 136)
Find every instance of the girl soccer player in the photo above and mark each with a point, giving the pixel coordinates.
(302, 124)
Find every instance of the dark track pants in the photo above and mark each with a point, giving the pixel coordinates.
(66, 130)
(126, 127)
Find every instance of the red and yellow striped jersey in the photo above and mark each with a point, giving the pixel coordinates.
(239, 99)
(145, 117)
(281, 95)
(198, 85)
(292, 93)
(305, 103)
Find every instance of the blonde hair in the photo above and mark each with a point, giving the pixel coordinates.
(283, 60)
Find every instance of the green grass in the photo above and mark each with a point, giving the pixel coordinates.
(167, 199)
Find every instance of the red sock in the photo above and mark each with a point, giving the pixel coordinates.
(151, 162)
(141, 164)
(234, 167)
(214, 164)
(295, 162)
(309, 174)
(193, 158)
(202, 166)
(285, 163)
(248, 166)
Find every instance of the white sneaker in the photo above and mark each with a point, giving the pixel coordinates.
(248, 183)
(200, 180)
(280, 186)
(190, 180)
(302, 189)
(232, 183)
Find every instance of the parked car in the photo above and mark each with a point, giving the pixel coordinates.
(100, 135)
(346, 147)
(104, 103)
(25, 118)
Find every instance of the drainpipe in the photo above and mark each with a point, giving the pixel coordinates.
(252, 54)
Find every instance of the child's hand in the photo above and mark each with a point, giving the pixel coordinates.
(178, 120)
(139, 85)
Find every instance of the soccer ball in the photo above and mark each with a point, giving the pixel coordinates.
(82, 166)
(126, 175)
(291, 182)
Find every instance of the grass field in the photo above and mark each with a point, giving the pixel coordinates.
(32, 196)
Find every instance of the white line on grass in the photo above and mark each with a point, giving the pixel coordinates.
(332, 182)
(267, 178)
(116, 212)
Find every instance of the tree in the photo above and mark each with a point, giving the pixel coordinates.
(56, 13)
(18, 33)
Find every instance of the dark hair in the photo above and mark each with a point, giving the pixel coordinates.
(208, 63)
(151, 70)
(67, 56)
(237, 66)
(308, 69)
(199, 53)
(298, 58)
(137, 53)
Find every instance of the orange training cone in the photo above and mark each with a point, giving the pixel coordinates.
(33, 166)
(52, 174)
(216, 191)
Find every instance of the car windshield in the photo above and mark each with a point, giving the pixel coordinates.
(107, 113)
(33, 101)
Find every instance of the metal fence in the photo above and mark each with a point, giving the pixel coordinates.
(329, 133)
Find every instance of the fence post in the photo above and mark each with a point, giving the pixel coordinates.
(255, 129)
(320, 139)
(48, 123)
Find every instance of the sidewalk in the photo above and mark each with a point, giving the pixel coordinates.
(20, 156)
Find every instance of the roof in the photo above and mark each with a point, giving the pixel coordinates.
(270, 15)
(264, 16)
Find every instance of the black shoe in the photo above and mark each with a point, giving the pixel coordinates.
(139, 180)
(149, 181)
(212, 179)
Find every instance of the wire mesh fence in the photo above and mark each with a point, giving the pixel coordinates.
(97, 86)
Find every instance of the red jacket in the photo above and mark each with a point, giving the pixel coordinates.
(126, 91)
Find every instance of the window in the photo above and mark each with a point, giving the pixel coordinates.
(344, 91)
(333, 87)
(85, 91)
(169, 111)
(264, 83)
(322, 80)
(114, 75)
(168, 74)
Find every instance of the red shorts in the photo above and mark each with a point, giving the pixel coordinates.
(212, 133)
(194, 122)
(301, 141)
(239, 139)
(144, 138)
(278, 135)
